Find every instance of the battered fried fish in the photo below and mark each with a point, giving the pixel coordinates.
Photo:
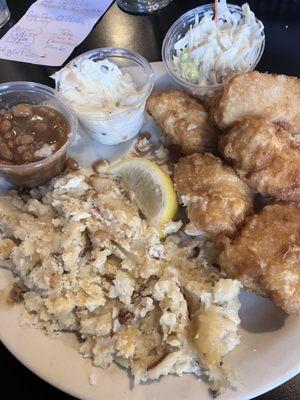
(256, 94)
(184, 120)
(217, 200)
(265, 256)
(265, 156)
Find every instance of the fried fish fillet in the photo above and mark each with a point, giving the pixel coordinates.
(265, 256)
(256, 94)
(265, 156)
(217, 199)
(184, 120)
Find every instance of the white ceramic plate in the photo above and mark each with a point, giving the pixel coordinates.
(269, 353)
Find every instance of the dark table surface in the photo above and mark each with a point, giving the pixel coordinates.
(144, 34)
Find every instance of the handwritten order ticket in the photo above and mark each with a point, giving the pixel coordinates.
(50, 30)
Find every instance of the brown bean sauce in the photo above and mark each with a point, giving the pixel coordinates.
(31, 133)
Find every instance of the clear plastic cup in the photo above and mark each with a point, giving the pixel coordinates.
(178, 30)
(39, 172)
(125, 124)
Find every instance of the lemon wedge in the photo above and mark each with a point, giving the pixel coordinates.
(153, 188)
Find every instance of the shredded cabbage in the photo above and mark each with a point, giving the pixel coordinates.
(100, 86)
(209, 51)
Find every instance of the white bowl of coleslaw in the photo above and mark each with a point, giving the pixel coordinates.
(199, 50)
(107, 88)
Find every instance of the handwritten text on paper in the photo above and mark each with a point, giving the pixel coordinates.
(49, 31)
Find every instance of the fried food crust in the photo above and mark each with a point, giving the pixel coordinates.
(217, 200)
(265, 256)
(265, 156)
(256, 94)
(184, 120)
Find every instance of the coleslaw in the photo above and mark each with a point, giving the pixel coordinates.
(210, 50)
(99, 87)
(104, 97)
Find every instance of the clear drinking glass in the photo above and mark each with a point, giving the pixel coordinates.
(142, 6)
(4, 13)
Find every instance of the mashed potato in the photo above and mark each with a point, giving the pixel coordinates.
(85, 261)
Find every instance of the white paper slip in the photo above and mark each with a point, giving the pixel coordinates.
(50, 30)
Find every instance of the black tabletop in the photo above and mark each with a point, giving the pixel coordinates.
(144, 34)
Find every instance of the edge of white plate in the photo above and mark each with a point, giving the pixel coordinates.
(251, 395)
